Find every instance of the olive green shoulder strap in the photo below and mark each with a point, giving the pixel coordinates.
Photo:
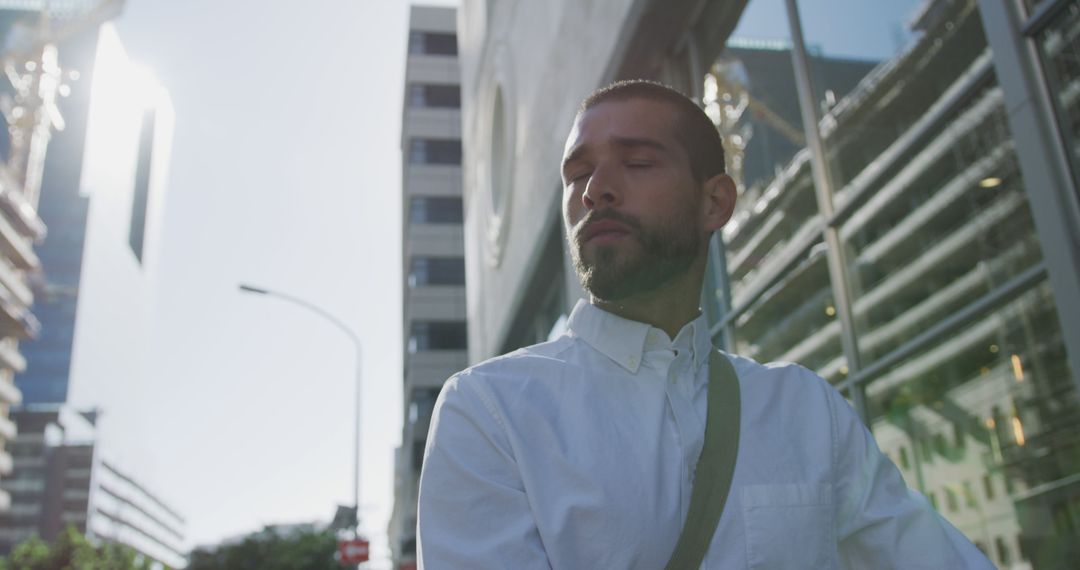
(715, 467)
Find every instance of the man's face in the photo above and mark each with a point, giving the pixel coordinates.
(631, 204)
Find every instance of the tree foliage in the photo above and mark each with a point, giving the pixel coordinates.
(71, 551)
(270, 550)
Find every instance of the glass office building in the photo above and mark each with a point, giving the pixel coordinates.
(950, 192)
(908, 224)
(63, 209)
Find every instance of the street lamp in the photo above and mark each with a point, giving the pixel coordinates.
(245, 288)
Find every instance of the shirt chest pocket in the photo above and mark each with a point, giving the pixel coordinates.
(789, 526)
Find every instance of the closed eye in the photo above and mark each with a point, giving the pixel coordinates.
(578, 177)
(638, 164)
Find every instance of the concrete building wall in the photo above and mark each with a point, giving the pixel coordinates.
(525, 68)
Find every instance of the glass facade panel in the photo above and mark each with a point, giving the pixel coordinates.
(794, 320)
(936, 215)
(420, 409)
(772, 225)
(934, 223)
(434, 96)
(1032, 5)
(436, 271)
(989, 418)
(437, 335)
(435, 210)
(435, 151)
(432, 43)
(777, 272)
(1059, 47)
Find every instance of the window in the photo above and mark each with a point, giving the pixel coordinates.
(1003, 553)
(1059, 49)
(904, 458)
(924, 446)
(435, 210)
(437, 335)
(141, 195)
(432, 43)
(75, 505)
(418, 455)
(436, 271)
(988, 487)
(435, 151)
(950, 500)
(437, 96)
(423, 404)
(939, 444)
(969, 495)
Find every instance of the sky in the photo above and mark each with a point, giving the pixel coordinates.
(855, 29)
(285, 173)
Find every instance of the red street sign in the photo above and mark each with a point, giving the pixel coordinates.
(352, 551)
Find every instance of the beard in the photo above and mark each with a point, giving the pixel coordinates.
(615, 272)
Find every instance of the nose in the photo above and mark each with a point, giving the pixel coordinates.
(602, 190)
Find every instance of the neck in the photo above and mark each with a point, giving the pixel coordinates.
(668, 308)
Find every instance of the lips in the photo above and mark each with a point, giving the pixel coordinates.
(604, 229)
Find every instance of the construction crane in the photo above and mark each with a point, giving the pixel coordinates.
(30, 62)
(727, 99)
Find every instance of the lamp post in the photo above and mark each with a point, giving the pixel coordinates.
(245, 288)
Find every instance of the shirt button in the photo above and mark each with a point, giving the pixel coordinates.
(633, 362)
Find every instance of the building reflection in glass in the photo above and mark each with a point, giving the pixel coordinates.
(967, 382)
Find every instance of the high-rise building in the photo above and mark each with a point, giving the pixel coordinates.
(433, 260)
(63, 208)
(111, 194)
(64, 479)
(42, 49)
(927, 262)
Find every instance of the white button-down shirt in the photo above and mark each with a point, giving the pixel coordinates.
(580, 453)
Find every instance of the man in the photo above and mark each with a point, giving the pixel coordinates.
(580, 452)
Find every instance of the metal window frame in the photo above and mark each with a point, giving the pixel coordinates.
(1044, 164)
(988, 303)
(1042, 16)
(1035, 25)
(1049, 187)
(849, 206)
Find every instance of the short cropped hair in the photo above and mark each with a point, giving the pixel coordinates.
(695, 131)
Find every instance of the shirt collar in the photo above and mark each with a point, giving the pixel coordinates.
(625, 341)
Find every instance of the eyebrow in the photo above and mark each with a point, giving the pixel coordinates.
(628, 143)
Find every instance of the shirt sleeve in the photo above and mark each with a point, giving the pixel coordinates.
(472, 508)
(881, 523)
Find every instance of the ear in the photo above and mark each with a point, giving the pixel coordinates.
(718, 201)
